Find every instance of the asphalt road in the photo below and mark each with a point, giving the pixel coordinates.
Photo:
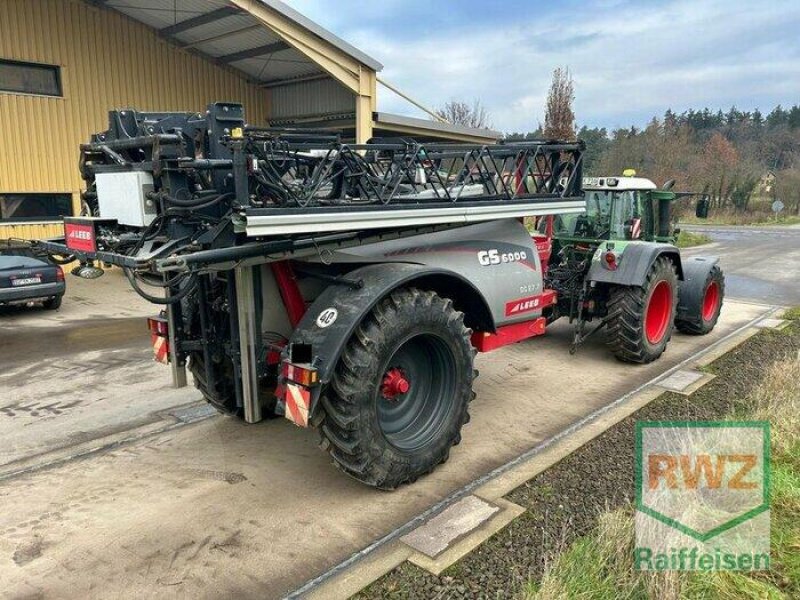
(218, 508)
(761, 264)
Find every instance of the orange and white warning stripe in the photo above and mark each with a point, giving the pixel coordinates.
(636, 229)
(160, 348)
(298, 401)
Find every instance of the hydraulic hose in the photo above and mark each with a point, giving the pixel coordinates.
(187, 288)
(62, 260)
(195, 202)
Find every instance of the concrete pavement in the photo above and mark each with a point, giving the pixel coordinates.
(219, 508)
(223, 509)
(79, 374)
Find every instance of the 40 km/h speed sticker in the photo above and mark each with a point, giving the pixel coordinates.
(327, 317)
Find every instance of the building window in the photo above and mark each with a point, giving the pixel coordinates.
(30, 78)
(34, 207)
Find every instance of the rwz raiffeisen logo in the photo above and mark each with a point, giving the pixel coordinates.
(702, 495)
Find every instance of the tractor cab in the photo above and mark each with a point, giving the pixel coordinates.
(617, 264)
(626, 208)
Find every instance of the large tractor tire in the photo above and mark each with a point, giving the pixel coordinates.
(707, 312)
(400, 392)
(224, 398)
(640, 319)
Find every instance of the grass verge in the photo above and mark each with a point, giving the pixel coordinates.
(571, 541)
(600, 564)
(688, 239)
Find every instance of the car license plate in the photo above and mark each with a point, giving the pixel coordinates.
(26, 281)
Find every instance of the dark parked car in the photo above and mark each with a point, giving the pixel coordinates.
(27, 276)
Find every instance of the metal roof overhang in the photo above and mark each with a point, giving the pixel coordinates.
(266, 40)
(272, 45)
(422, 128)
(391, 125)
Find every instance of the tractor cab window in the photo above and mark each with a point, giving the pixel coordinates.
(626, 216)
(609, 215)
(593, 224)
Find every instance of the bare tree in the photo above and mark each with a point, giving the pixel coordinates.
(457, 112)
(559, 119)
(787, 189)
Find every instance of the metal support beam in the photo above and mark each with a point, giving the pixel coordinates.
(408, 98)
(248, 342)
(204, 19)
(176, 363)
(253, 52)
(339, 64)
(219, 36)
(285, 82)
(366, 104)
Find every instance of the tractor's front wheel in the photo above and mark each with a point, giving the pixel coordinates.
(700, 318)
(640, 319)
(400, 392)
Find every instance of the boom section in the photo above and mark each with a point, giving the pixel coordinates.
(162, 187)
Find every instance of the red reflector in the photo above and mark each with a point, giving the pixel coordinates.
(611, 260)
(158, 326)
(60, 274)
(80, 237)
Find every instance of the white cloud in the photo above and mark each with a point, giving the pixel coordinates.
(628, 62)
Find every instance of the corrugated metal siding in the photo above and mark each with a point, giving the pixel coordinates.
(308, 98)
(31, 231)
(107, 61)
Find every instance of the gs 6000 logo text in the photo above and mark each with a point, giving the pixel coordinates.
(488, 258)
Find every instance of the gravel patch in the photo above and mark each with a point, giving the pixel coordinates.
(563, 502)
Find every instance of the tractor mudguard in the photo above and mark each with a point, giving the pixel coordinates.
(634, 264)
(691, 290)
(333, 317)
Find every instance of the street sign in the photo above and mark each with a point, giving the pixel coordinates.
(777, 206)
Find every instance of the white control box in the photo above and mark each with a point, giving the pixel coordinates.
(123, 196)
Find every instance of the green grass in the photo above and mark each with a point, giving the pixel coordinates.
(600, 565)
(741, 218)
(792, 314)
(687, 239)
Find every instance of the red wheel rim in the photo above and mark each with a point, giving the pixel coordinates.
(710, 301)
(658, 313)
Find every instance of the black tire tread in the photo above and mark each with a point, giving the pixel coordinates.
(197, 368)
(339, 420)
(625, 319)
(698, 327)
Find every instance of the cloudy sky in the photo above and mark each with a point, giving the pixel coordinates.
(629, 60)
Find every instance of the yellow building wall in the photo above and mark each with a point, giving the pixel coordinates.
(107, 61)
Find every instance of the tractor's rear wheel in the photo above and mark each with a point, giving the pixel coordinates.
(710, 306)
(400, 392)
(640, 319)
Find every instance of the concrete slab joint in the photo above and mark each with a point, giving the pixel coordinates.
(685, 381)
(772, 324)
(456, 521)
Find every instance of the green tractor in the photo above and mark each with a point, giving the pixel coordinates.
(617, 265)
